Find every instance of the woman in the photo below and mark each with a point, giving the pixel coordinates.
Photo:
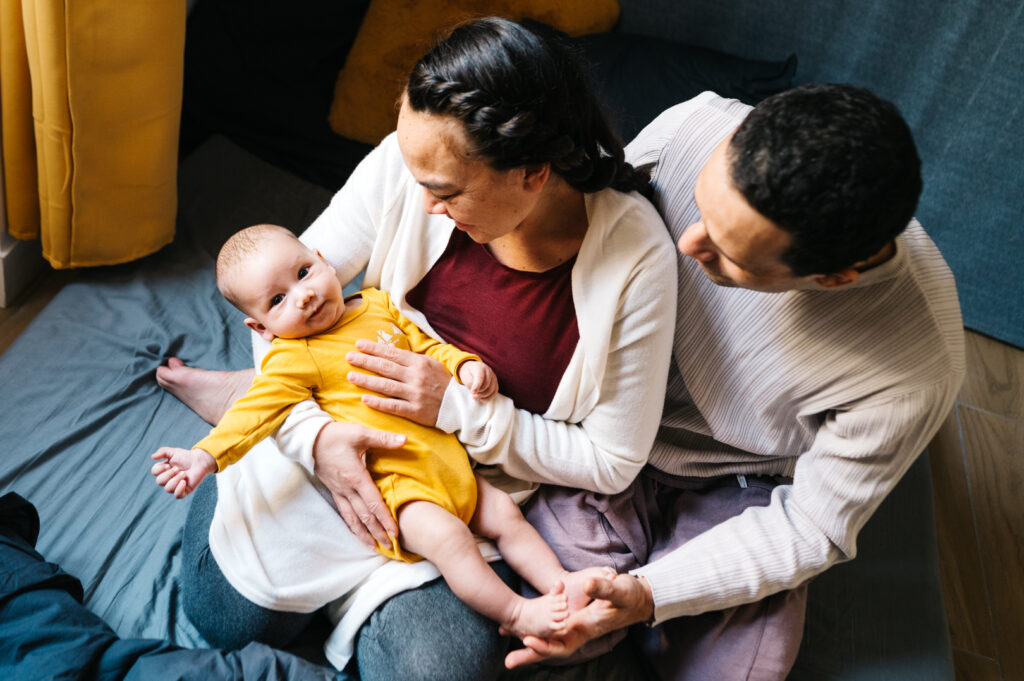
(498, 216)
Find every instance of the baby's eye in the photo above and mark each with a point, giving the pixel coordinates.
(276, 300)
(303, 271)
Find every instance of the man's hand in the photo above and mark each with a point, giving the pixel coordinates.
(339, 458)
(179, 471)
(480, 380)
(618, 603)
(413, 384)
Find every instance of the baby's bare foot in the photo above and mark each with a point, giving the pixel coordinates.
(575, 581)
(542, 617)
(208, 393)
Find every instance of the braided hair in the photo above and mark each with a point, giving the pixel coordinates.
(525, 99)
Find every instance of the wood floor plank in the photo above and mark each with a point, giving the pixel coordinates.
(968, 667)
(963, 580)
(995, 376)
(994, 449)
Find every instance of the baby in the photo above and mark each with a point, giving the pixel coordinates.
(294, 299)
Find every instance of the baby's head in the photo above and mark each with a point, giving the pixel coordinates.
(285, 288)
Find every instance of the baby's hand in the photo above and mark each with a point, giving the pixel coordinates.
(179, 471)
(480, 380)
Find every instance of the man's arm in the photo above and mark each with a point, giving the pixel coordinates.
(856, 459)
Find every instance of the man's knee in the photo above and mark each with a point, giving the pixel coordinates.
(586, 529)
(757, 641)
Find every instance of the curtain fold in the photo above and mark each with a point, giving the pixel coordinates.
(17, 138)
(91, 104)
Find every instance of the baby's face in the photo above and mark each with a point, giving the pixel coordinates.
(289, 290)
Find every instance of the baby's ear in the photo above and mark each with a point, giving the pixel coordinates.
(321, 256)
(259, 328)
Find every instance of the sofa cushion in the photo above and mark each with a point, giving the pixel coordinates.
(395, 33)
(639, 76)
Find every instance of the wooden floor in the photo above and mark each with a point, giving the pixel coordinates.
(978, 475)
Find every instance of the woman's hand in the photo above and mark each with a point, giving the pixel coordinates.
(414, 384)
(617, 603)
(339, 458)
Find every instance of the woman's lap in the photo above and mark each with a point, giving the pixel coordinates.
(224, 617)
(423, 633)
(428, 633)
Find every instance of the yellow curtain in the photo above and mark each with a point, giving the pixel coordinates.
(90, 103)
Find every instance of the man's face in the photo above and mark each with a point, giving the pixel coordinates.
(734, 244)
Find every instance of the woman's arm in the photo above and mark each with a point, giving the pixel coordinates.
(607, 446)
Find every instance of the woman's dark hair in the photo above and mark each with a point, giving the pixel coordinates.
(835, 166)
(525, 99)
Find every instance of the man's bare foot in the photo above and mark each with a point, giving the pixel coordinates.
(542, 617)
(208, 393)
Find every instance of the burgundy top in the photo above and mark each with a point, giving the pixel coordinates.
(522, 324)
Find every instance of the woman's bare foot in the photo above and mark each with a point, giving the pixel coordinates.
(208, 393)
(575, 582)
(542, 617)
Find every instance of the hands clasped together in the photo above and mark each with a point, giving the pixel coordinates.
(619, 600)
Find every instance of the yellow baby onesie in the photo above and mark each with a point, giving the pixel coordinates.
(432, 466)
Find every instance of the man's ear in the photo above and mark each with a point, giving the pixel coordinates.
(838, 279)
(536, 177)
(259, 328)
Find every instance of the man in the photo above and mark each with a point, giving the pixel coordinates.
(818, 348)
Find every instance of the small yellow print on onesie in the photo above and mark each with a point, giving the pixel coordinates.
(386, 338)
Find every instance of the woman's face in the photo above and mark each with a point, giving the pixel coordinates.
(485, 203)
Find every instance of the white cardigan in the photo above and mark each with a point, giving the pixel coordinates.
(275, 534)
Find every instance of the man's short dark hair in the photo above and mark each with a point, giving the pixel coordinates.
(833, 165)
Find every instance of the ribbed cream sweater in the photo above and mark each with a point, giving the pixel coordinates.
(840, 389)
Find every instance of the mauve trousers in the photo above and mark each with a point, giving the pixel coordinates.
(653, 516)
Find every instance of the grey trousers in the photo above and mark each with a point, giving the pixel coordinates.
(655, 515)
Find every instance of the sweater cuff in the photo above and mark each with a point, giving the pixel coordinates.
(467, 417)
(671, 596)
(456, 407)
(296, 443)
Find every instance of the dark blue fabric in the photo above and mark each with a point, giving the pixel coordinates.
(954, 70)
(881, 616)
(47, 634)
(639, 76)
